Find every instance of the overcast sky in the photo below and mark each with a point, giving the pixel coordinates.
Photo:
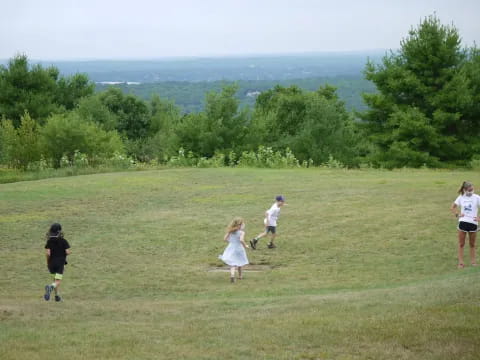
(71, 29)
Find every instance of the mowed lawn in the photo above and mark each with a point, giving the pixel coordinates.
(365, 267)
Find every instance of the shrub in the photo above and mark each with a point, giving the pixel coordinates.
(268, 158)
(66, 135)
(19, 147)
(218, 160)
(181, 160)
(332, 163)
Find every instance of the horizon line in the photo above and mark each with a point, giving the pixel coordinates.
(206, 56)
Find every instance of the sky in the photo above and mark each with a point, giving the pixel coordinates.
(140, 29)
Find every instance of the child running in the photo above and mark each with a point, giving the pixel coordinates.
(270, 221)
(57, 249)
(468, 203)
(235, 255)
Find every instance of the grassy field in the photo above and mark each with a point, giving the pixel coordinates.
(365, 267)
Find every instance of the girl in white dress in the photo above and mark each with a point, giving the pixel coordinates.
(235, 255)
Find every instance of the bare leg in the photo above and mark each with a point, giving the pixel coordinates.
(273, 238)
(253, 242)
(259, 236)
(472, 237)
(461, 245)
(232, 274)
(57, 285)
(271, 244)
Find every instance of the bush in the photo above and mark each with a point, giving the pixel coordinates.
(181, 160)
(67, 135)
(19, 147)
(218, 160)
(332, 163)
(266, 157)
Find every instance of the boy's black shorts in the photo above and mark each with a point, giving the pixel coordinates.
(56, 266)
(272, 229)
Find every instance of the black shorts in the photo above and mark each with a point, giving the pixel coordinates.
(272, 229)
(56, 266)
(467, 227)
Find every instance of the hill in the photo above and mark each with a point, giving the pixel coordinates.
(190, 96)
(365, 267)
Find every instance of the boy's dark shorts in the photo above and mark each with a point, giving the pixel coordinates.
(467, 227)
(56, 266)
(272, 229)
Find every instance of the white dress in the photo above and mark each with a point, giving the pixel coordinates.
(234, 254)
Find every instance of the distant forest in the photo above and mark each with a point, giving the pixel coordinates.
(186, 80)
(190, 96)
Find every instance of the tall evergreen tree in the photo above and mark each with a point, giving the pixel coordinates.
(420, 114)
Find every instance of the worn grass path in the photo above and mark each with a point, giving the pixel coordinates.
(365, 267)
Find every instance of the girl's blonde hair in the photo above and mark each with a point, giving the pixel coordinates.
(465, 185)
(235, 224)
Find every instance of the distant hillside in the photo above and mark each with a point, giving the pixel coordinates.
(186, 80)
(284, 67)
(191, 95)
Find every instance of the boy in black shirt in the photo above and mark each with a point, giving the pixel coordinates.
(57, 249)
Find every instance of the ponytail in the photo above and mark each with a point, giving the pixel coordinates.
(465, 185)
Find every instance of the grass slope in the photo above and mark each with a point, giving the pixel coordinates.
(365, 267)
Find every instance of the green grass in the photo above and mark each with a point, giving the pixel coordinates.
(10, 175)
(365, 267)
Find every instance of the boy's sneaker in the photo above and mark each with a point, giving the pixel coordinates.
(253, 244)
(48, 291)
(271, 246)
(58, 298)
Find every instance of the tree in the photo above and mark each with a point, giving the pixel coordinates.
(72, 89)
(420, 113)
(161, 141)
(27, 88)
(314, 125)
(64, 134)
(133, 118)
(20, 147)
(222, 126)
(37, 90)
(92, 109)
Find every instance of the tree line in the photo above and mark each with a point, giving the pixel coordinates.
(425, 112)
(190, 96)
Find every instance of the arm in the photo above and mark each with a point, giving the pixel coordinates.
(267, 216)
(242, 240)
(67, 248)
(47, 254)
(225, 238)
(453, 209)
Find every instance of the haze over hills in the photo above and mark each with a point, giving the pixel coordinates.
(185, 80)
(254, 67)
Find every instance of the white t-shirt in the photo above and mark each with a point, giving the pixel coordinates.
(468, 207)
(273, 214)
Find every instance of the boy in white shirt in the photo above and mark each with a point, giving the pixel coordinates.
(270, 221)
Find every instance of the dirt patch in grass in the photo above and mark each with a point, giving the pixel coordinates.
(248, 268)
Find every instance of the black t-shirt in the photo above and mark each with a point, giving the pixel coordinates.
(57, 246)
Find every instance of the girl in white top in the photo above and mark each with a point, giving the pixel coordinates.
(467, 203)
(235, 255)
